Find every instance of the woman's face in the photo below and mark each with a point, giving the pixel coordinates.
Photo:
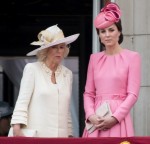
(109, 36)
(56, 53)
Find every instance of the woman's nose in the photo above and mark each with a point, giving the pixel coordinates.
(58, 49)
(107, 33)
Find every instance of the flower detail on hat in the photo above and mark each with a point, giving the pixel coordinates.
(108, 15)
(112, 12)
(49, 35)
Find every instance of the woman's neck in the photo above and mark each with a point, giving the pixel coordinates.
(113, 50)
(52, 66)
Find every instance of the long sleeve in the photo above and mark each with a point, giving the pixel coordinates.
(133, 87)
(26, 89)
(89, 94)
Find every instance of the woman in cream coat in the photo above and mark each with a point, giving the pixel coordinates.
(45, 90)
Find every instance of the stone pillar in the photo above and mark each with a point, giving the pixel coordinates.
(95, 39)
(136, 30)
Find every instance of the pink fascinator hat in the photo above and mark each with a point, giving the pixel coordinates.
(108, 15)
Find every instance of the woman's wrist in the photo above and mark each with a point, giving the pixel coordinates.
(16, 126)
(91, 117)
(115, 121)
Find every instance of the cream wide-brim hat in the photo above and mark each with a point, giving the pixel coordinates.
(50, 37)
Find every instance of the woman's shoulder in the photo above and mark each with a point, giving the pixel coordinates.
(131, 53)
(66, 70)
(33, 65)
(97, 55)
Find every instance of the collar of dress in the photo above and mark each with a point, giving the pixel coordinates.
(49, 72)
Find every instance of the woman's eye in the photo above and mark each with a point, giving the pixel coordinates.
(62, 47)
(102, 31)
(111, 30)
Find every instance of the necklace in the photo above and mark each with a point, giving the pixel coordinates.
(49, 72)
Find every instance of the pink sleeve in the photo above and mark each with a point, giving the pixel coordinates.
(89, 94)
(133, 87)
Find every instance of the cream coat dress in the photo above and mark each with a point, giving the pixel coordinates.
(42, 105)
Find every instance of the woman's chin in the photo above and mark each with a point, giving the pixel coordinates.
(58, 61)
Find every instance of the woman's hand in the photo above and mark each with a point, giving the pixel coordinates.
(106, 123)
(94, 119)
(17, 130)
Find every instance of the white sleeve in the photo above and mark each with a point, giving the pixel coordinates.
(20, 114)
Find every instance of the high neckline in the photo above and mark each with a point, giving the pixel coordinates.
(112, 55)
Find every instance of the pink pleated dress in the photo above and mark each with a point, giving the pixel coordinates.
(115, 79)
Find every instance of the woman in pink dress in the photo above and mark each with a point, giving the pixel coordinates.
(113, 77)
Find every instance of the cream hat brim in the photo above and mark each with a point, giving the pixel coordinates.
(66, 40)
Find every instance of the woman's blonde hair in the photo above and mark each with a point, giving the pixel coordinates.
(42, 54)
